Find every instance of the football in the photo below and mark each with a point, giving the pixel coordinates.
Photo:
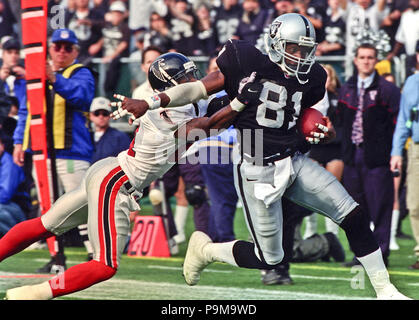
(308, 119)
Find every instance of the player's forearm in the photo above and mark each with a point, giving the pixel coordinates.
(222, 119)
(191, 92)
(181, 95)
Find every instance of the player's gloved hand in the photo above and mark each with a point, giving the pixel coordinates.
(135, 108)
(248, 93)
(328, 133)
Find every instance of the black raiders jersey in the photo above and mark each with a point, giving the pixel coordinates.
(272, 122)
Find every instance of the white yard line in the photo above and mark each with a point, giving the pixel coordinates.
(144, 290)
(117, 289)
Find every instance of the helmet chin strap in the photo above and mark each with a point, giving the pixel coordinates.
(299, 80)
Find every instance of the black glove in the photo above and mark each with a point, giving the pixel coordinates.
(250, 93)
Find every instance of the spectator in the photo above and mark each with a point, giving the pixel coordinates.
(366, 141)
(141, 10)
(183, 26)
(13, 200)
(226, 20)
(252, 22)
(407, 35)
(334, 29)
(282, 7)
(360, 15)
(195, 192)
(206, 41)
(391, 22)
(328, 155)
(12, 72)
(137, 75)
(215, 158)
(217, 170)
(71, 90)
(408, 126)
(109, 142)
(80, 21)
(398, 192)
(114, 43)
(148, 56)
(159, 34)
(100, 7)
(313, 14)
(7, 19)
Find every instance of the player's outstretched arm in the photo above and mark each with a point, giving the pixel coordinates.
(176, 96)
(249, 93)
(222, 119)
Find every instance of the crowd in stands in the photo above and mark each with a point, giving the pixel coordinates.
(143, 29)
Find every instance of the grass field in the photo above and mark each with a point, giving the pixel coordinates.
(141, 278)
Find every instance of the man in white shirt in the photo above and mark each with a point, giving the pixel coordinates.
(407, 34)
(149, 54)
(360, 15)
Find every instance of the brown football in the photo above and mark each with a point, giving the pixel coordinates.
(308, 119)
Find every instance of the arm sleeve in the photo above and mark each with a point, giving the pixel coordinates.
(21, 123)
(8, 179)
(402, 132)
(318, 91)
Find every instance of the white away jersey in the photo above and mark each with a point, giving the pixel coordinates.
(154, 148)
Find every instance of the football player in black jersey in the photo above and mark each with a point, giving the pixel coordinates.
(270, 161)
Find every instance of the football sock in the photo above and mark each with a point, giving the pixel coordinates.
(21, 236)
(222, 252)
(181, 214)
(80, 277)
(360, 237)
(377, 272)
(245, 256)
(85, 238)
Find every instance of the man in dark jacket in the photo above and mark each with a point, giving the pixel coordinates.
(367, 109)
(109, 142)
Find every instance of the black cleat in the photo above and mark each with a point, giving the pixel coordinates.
(55, 265)
(276, 276)
(336, 250)
(352, 263)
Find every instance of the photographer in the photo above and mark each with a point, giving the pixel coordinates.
(12, 74)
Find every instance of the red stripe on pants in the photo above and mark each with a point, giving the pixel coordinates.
(101, 230)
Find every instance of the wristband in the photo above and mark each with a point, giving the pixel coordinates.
(236, 105)
(154, 102)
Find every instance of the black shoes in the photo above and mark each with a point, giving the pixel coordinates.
(55, 265)
(352, 263)
(279, 276)
(336, 250)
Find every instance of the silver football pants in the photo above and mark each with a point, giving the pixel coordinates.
(306, 183)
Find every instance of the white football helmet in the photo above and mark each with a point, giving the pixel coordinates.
(297, 29)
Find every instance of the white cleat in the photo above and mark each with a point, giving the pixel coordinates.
(179, 238)
(391, 293)
(40, 291)
(195, 259)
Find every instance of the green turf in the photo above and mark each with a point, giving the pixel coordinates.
(161, 278)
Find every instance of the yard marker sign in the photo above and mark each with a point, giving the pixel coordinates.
(34, 38)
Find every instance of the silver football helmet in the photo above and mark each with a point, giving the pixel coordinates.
(287, 29)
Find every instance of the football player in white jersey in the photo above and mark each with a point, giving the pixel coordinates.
(273, 164)
(112, 186)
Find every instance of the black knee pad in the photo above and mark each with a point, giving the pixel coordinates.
(360, 237)
(195, 194)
